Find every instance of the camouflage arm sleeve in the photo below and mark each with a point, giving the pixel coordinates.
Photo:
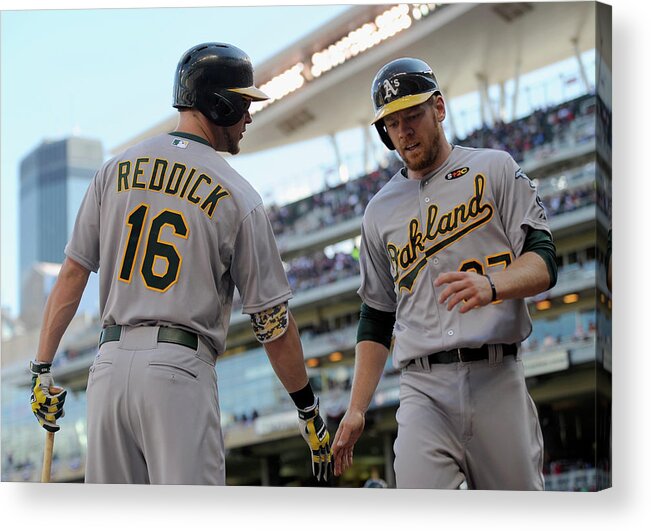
(270, 324)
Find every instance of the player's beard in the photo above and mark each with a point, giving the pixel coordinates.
(232, 142)
(426, 156)
(424, 160)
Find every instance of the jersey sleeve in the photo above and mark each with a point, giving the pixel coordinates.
(83, 246)
(376, 288)
(519, 204)
(256, 267)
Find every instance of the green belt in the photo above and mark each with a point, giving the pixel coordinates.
(165, 335)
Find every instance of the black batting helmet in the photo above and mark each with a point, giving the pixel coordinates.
(216, 79)
(400, 84)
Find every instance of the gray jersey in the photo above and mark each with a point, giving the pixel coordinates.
(472, 213)
(175, 229)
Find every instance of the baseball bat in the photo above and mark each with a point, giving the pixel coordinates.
(47, 457)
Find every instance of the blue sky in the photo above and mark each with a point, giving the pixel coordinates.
(107, 74)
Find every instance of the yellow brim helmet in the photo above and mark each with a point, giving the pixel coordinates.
(402, 103)
(398, 85)
(253, 93)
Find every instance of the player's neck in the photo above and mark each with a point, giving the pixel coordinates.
(194, 123)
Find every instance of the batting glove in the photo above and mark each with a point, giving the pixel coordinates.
(46, 399)
(315, 432)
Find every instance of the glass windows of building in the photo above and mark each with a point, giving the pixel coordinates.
(53, 180)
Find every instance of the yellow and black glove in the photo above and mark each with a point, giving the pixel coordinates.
(315, 432)
(47, 400)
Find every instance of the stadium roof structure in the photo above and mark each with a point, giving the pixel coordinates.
(322, 82)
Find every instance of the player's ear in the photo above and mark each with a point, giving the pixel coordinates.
(439, 105)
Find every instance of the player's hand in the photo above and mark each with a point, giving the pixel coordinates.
(315, 432)
(46, 400)
(471, 288)
(350, 429)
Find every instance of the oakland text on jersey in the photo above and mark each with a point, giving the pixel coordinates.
(173, 179)
(451, 226)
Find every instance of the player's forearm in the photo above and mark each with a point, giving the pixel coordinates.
(370, 359)
(286, 357)
(60, 308)
(526, 276)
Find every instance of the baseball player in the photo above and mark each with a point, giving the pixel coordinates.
(173, 229)
(451, 246)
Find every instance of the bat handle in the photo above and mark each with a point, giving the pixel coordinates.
(47, 457)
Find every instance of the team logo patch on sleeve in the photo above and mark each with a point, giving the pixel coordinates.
(179, 143)
(455, 174)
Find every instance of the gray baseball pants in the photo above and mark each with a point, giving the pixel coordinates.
(153, 413)
(470, 421)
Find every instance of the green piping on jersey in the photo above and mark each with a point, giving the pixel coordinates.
(190, 136)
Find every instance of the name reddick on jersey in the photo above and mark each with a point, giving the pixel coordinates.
(161, 176)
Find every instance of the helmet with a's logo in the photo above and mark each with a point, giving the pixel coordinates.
(217, 79)
(398, 85)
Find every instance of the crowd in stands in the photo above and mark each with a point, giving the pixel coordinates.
(331, 206)
(317, 269)
(569, 200)
(520, 137)
(348, 200)
(307, 272)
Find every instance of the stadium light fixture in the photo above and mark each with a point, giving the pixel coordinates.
(543, 305)
(570, 298)
(336, 356)
(370, 34)
(280, 86)
(386, 25)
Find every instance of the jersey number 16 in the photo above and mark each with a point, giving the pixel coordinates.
(156, 249)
